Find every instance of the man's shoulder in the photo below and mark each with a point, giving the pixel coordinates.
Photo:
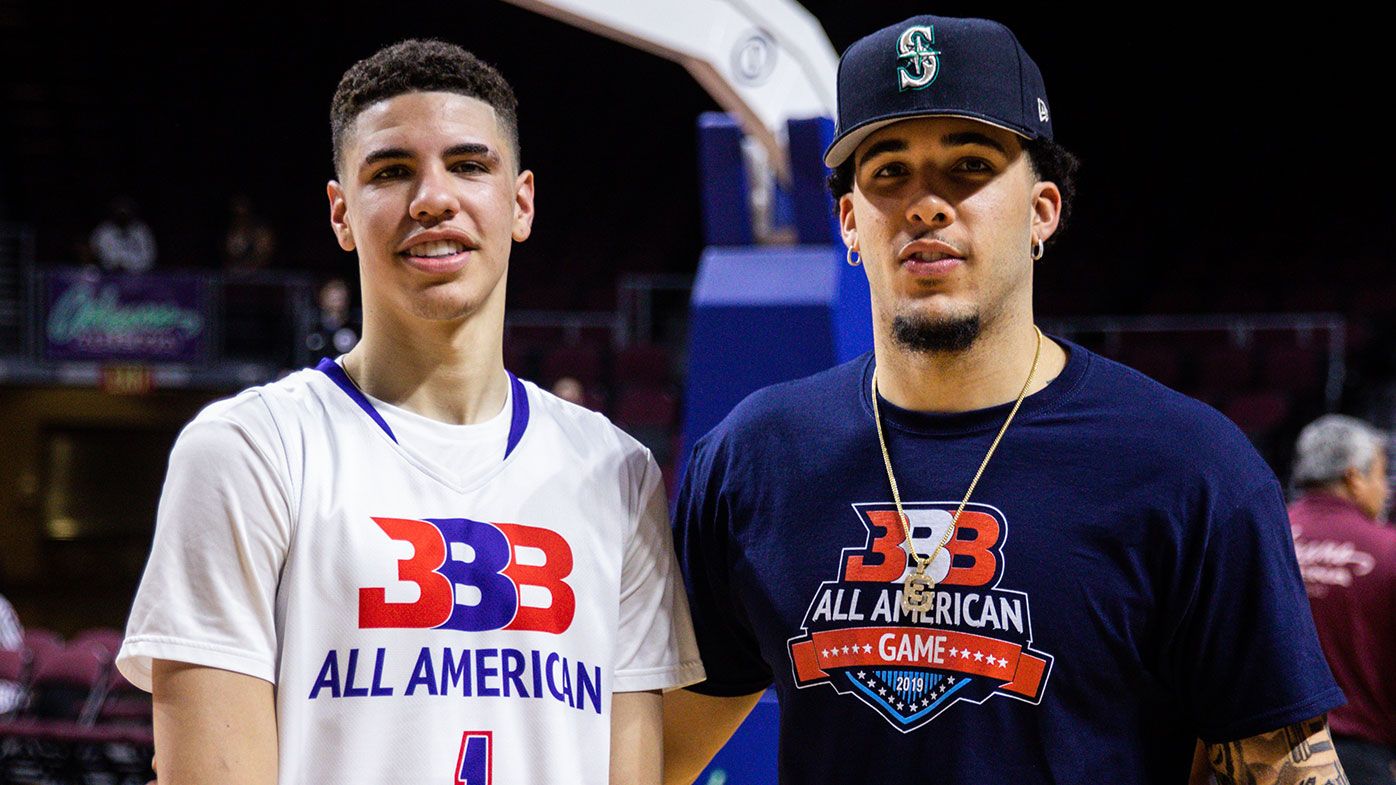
(586, 429)
(1157, 418)
(264, 413)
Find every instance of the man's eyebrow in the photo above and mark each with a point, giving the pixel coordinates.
(470, 148)
(884, 146)
(962, 138)
(385, 154)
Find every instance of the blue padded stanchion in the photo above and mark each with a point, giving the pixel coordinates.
(766, 315)
(723, 179)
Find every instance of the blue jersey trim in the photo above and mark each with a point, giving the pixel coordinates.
(341, 379)
(519, 423)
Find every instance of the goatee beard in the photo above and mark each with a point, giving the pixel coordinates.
(920, 334)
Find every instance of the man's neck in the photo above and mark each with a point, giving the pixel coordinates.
(452, 372)
(990, 372)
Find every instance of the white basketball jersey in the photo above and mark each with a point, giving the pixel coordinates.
(463, 625)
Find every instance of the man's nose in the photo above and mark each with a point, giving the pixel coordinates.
(436, 199)
(930, 208)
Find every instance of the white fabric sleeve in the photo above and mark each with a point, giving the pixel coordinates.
(221, 535)
(656, 648)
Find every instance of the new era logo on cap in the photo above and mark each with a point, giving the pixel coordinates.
(932, 66)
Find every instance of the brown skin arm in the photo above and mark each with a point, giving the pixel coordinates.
(213, 727)
(1301, 754)
(695, 728)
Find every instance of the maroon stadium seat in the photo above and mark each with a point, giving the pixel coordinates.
(106, 637)
(68, 684)
(645, 406)
(1295, 369)
(42, 642)
(1258, 413)
(1227, 366)
(642, 364)
(582, 362)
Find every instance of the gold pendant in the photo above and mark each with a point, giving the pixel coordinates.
(917, 592)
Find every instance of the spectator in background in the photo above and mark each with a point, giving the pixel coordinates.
(250, 242)
(122, 241)
(337, 330)
(11, 639)
(1348, 557)
(570, 390)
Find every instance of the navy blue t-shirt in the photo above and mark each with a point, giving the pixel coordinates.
(1122, 583)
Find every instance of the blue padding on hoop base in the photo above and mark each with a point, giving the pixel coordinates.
(723, 180)
(766, 315)
(813, 206)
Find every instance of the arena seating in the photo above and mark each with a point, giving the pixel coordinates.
(81, 721)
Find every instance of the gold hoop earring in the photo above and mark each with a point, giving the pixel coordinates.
(1038, 248)
(849, 256)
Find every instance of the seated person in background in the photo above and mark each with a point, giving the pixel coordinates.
(337, 330)
(569, 389)
(122, 241)
(1347, 555)
(250, 242)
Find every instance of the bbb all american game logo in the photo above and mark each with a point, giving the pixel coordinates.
(974, 643)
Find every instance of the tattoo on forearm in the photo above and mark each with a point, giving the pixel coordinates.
(1301, 754)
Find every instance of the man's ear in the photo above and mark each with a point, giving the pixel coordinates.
(523, 206)
(848, 225)
(339, 215)
(1046, 209)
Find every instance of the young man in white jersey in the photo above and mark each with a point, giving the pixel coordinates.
(408, 565)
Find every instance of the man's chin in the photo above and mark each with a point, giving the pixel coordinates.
(924, 333)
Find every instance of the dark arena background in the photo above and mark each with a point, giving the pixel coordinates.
(1232, 237)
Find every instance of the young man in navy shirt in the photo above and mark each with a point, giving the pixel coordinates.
(978, 554)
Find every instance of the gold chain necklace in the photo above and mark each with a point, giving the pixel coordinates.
(918, 588)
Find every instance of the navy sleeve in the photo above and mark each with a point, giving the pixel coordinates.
(729, 649)
(1248, 659)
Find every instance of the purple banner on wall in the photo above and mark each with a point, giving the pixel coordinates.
(151, 317)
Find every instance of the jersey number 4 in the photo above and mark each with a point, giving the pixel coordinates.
(474, 767)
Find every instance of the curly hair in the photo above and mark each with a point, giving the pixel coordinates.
(1050, 162)
(420, 65)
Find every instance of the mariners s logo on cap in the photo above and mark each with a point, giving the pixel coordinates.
(915, 47)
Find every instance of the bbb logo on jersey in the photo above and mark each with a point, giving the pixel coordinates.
(475, 576)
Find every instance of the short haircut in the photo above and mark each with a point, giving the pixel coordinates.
(1330, 445)
(415, 66)
(1050, 162)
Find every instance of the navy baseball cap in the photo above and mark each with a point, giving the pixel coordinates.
(937, 66)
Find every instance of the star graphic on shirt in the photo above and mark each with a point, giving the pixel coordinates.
(845, 649)
(867, 648)
(964, 654)
(925, 702)
(881, 691)
(862, 674)
(825, 652)
(979, 656)
(950, 680)
(1003, 663)
(900, 705)
(954, 652)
